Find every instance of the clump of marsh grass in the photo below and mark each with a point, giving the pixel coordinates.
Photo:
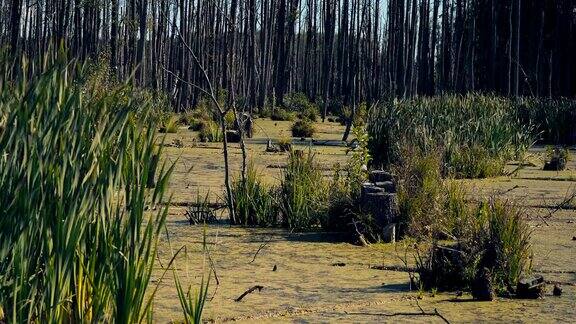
(200, 212)
(477, 134)
(253, 201)
(75, 242)
(488, 259)
(420, 193)
(170, 124)
(505, 239)
(303, 192)
(554, 118)
(210, 131)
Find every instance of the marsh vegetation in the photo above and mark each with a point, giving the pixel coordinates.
(233, 159)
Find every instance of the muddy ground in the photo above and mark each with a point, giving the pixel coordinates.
(319, 279)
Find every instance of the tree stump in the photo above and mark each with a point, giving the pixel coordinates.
(382, 206)
(531, 287)
(380, 176)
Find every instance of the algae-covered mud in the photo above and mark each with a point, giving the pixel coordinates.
(314, 277)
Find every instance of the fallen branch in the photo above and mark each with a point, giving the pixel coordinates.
(249, 291)
(260, 248)
(393, 268)
(435, 313)
(565, 204)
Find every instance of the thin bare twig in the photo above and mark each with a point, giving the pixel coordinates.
(263, 245)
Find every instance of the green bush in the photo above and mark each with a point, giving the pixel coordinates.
(302, 106)
(280, 114)
(75, 242)
(254, 203)
(196, 125)
(98, 81)
(360, 116)
(303, 128)
(303, 193)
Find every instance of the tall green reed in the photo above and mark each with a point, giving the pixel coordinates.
(476, 133)
(303, 193)
(75, 242)
(254, 201)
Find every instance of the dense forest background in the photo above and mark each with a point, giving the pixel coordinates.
(334, 51)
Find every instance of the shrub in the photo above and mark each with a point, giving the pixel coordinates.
(230, 120)
(97, 80)
(254, 203)
(203, 111)
(301, 105)
(280, 114)
(75, 242)
(196, 125)
(360, 115)
(186, 118)
(310, 113)
(302, 193)
(303, 128)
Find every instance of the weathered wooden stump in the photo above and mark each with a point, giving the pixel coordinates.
(378, 197)
(380, 176)
(556, 164)
(370, 188)
(389, 233)
(245, 123)
(482, 288)
(382, 206)
(388, 186)
(531, 287)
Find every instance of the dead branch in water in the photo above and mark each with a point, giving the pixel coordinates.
(436, 313)
(565, 204)
(249, 291)
(263, 245)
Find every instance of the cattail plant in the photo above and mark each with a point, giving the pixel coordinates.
(76, 244)
(477, 134)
